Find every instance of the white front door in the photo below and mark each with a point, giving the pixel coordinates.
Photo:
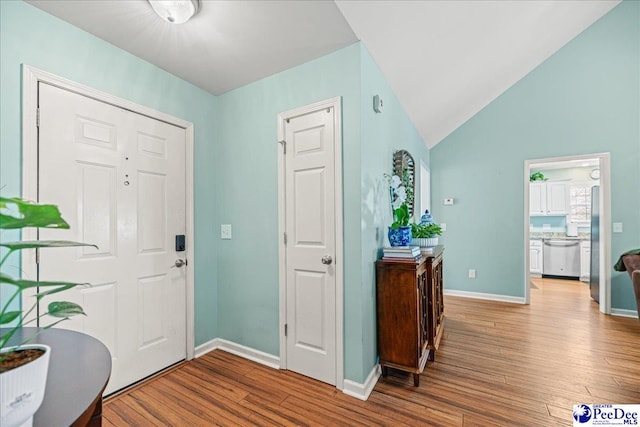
(119, 180)
(311, 244)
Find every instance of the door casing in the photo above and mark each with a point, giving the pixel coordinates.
(30, 78)
(605, 224)
(336, 104)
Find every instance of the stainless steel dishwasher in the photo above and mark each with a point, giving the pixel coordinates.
(561, 258)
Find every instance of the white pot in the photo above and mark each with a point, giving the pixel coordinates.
(425, 242)
(22, 389)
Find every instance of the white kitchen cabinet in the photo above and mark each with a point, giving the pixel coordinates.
(585, 260)
(537, 198)
(549, 198)
(535, 256)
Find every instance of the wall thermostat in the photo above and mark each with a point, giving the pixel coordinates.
(377, 104)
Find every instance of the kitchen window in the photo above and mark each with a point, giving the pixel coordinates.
(580, 202)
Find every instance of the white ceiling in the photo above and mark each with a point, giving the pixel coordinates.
(445, 59)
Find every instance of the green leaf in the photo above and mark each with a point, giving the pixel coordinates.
(25, 284)
(19, 213)
(64, 309)
(9, 316)
(25, 244)
(400, 217)
(41, 295)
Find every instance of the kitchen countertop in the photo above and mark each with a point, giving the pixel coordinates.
(536, 235)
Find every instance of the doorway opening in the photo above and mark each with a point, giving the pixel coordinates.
(567, 217)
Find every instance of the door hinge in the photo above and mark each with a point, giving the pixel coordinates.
(285, 329)
(37, 255)
(284, 146)
(38, 117)
(285, 238)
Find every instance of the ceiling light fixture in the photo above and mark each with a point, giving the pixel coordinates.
(175, 11)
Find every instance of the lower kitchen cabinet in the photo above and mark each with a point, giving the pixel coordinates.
(410, 311)
(585, 260)
(535, 256)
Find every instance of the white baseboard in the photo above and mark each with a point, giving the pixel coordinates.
(479, 295)
(362, 391)
(205, 348)
(624, 313)
(239, 350)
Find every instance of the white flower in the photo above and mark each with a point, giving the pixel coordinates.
(396, 204)
(395, 181)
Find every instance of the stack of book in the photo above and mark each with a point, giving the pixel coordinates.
(428, 250)
(401, 253)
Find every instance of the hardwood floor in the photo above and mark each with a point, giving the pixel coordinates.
(498, 364)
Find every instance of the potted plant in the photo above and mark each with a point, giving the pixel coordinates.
(425, 235)
(537, 176)
(399, 231)
(23, 368)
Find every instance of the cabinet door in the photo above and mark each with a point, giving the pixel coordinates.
(557, 198)
(585, 261)
(537, 198)
(535, 259)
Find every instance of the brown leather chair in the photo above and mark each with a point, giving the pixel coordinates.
(632, 264)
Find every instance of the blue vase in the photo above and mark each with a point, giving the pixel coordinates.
(400, 236)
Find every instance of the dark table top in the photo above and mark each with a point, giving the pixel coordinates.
(79, 369)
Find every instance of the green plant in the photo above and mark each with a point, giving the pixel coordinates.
(16, 214)
(425, 231)
(398, 193)
(537, 176)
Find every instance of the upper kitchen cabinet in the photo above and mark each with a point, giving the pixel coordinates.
(549, 198)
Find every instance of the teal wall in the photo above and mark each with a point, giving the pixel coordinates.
(30, 36)
(382, 134)
(556, 223)
(246, 187)
(584, 99)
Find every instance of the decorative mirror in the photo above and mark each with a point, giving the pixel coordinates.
(404, 167)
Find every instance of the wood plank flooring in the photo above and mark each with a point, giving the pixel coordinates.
(499, 364)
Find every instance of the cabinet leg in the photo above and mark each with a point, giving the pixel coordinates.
(385, 371)
(416, 380)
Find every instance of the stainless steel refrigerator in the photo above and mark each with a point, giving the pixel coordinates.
(594, 277)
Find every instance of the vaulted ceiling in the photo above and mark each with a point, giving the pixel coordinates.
(445, 59)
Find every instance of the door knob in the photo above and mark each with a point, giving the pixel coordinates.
(327, 259)
(179, 263)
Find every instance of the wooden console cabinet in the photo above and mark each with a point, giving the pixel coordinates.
(410, 311)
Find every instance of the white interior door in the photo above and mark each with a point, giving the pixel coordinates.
(311, 245)
(119, 180)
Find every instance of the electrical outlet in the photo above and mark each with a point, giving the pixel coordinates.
(443, 226)
(472, 274)
(225, 231)
(448, 201)
(617, 227)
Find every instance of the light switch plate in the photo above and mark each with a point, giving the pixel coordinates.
(472, 274)
(617, 227)
(443, 226)
(225, 231)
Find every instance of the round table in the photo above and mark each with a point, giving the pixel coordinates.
(79, 369)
